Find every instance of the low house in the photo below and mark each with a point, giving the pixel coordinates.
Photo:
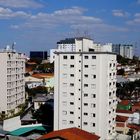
(41, 99)
(136, 106)
(124, 105)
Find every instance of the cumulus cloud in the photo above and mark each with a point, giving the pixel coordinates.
(6, 13)
(69, 16)
(120, 13)
(20, 3)
(136, 20)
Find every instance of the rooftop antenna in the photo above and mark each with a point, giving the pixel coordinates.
(13, 46)
(77, 32)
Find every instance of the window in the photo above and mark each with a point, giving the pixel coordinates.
(64, 94)
(79, 61)
(110, 65)
(71, 103)
(64, 103)
(64, 112)
(93, 57)
(71, 112)
(71, 122)
(93, 124)
(85, 95)
(64, 122)
(114, 65)
(109, 93)
(71, 84)
(93, 67)
(94, 76)
(85, 85)
(93, 86)
(85, 123)
(85, 114)
(86, 66)
(85, 104)
(71, 75)
(93, 96)
(93, 114)
(71, 66)
(65, 66)
(64, 84)
(64, 57)
(86, 75)
(72, 57)
(86, 57)
(72, 94)
(110, 74)
(64, 75)
(93, 105)
(79, 70)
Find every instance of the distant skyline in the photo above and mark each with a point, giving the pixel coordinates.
(38, 24)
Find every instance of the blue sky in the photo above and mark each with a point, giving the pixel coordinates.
(39, 24)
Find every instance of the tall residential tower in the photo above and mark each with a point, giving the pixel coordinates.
(85, 89)
(12, 85)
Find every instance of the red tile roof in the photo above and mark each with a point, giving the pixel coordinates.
(43, 75)
(133, 126)
(124, 102)
(124, 111)
(70, 134)
(121, 118)
(120, 125)
(136, 104)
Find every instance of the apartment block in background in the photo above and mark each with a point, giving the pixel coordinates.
(12, 85)
(85, 89)
(125, 50)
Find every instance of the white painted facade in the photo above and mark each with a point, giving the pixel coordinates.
(12, 84)
(85, 90)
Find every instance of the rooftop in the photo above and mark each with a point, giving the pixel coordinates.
(43, 75)
(85, 53)
(71, 40)
(70, 134)
(121, 118)
(23, 130)
(124, 111)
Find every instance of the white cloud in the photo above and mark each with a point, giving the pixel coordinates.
(69, 16)
(6, 13)
(72, 18)
(137, 15)
(135, 21)
(14, 26)
(120, 13)
(20, 3)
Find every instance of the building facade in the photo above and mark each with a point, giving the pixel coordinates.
(43, 55)
(12, 85)
(125, 50)
(85, 90)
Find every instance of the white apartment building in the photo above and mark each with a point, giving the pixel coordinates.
(12, 85)
(85, 90)
(69, 45)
